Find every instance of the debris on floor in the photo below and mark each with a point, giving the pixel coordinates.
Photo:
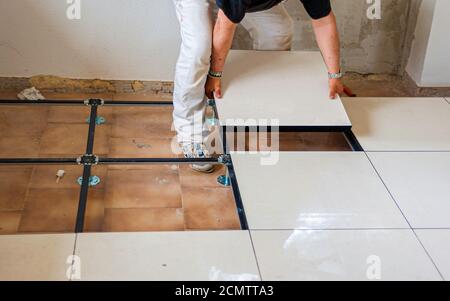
(59, 175)
(141, 145)
(137, 86)
(30, 94)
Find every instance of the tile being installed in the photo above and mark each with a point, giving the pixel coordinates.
(220, 255)
(419, 182)
(262, 86)
(437, 243)
(316, 190)
(400, 124)
(35, 257)
(342, 255)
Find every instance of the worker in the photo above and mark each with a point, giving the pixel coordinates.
(195, 18)
(270, 26)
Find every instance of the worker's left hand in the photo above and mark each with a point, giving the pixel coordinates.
(213, 88)
(338, 88)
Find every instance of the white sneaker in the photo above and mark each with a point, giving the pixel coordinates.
(197, 150)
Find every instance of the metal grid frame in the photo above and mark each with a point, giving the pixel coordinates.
(89, 159)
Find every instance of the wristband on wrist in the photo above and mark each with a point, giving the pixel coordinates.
(335, 75)
(215, 74)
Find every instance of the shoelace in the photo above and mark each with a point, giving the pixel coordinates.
(196, 150)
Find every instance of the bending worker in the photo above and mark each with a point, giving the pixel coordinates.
(270, 26)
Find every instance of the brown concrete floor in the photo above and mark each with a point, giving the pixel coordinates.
(129, 198)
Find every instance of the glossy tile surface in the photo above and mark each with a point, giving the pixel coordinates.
(35, 257)
(342, 255)
(419, 182)
(156, 256)
(317, 190)
(400, 124)
(437, 243)
(287, 86)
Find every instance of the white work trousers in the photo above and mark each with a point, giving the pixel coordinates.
(270, 30)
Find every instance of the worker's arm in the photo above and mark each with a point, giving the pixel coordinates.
(327, 37)
(222, 39)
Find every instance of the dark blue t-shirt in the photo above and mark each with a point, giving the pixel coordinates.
(235, 10)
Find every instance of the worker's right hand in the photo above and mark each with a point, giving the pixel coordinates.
(213, 88)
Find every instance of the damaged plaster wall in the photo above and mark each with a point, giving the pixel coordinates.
(138, 40)
(368, 46)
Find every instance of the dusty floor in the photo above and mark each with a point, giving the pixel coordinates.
(128, 198)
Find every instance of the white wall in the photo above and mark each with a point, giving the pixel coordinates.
(115, 39)
(429, 62)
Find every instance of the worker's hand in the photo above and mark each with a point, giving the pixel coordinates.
(213, 88)
(338, 88)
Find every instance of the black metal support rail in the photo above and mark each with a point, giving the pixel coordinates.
(288, 129)
(158, 161)
(37, 161)
(82, 204)
(353, 141)
(237, 196)
(84, 102)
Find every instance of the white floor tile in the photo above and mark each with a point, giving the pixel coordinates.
(315, 190)
(437, 243)
(35, 257)
(448, 99)
(400, 124)
(285, 85)
(342, 255)
(419, 182)
(221, 255)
